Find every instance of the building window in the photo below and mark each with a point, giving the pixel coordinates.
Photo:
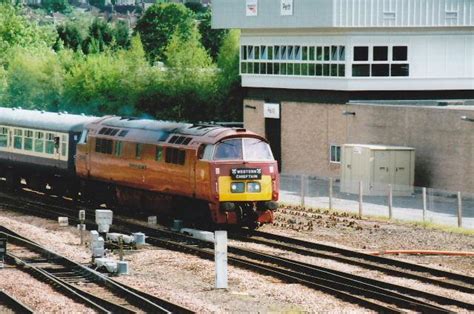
(384, 61)
(335, 154)
(302, 60)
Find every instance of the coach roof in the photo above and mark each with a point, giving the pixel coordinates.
(41, 120)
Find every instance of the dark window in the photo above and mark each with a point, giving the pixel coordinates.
(103, 130)
(334, 53)
(305, 53)
(380, 70)
(400, 53)
(360, 70)
(103, 146)
(123, 133)
(169, 154)
(187, 140)
(181, 157)
(319, 53)
(297, 69)
(311, 70)
(342, 70)
(114, 132)
(325, 69)
(319, 69)
(263, 68)
(380, 53)
(243, 68)
(269, 68)
(311, 53)
(270, 53)
(244, 52)
(400, 69)
(108, 131)
(257, 53)
(333, 69)
(361, 53)
(327, 54)
(276, 68)
(335, 154)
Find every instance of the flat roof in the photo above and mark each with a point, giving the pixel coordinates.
(379, 147)
(450, 104)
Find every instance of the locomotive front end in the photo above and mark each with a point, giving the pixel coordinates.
(247, 180)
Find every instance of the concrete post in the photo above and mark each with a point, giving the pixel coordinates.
(330, 193)
(459, 210)
(390, 202)
(361, 198)
(220, 256)
(424, 204)
(82, 226)
(303, 189)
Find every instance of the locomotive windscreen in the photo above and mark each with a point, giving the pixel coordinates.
(249, 149)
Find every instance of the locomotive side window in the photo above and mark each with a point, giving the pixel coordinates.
(3, 137)
(208, 151)
(159, 153)
(175, 156)
(138, 151)
(103, 146)
(28, 140)
(18, 139)
(118, 148)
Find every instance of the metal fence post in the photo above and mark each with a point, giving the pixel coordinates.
(361, 199)
(303, 189)
(424, 204)
(390, 202)
(330, 193)
(459, 210)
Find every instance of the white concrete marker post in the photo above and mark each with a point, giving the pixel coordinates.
(220, 255)
(82, 226)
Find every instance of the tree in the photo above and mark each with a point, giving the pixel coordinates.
(122, 34)
(16, 30)
(211, 38)
(70, 35)
(229, 81)
(99, 38)
(196, 7)
(158, 24)
(56, 5)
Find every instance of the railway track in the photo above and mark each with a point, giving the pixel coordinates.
(369, 293)
(9, 303)
(79, 282)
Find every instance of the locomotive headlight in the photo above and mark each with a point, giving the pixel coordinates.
(237, 187)
(253, 187)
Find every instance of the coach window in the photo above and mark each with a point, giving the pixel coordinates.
(18, 139)
(39, 142)
(159, 153)
(28, 140)
(64, 145)
(50, 143)
(3, 137)
(138, 151)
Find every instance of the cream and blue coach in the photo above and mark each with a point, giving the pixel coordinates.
(38, 146)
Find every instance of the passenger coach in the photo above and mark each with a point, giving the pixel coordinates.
(39, 147)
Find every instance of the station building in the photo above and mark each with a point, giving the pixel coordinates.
(322, 73)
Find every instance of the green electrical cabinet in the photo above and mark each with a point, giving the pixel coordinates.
(377, 166)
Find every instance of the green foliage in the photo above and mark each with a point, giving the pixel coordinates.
(211, 38)
(107, 83)
(158, 24)
(99, 38)
(70, 36)
(56, 6)
(35, 79)
(16, 30)
(229, 78)
(122, 34)
(196, 7)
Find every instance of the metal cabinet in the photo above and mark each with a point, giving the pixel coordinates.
(377, 166)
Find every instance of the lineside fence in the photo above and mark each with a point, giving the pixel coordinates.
(414, 204)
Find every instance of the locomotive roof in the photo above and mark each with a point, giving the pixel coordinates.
(53, 121)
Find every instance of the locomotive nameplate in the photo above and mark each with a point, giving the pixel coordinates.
(246, 173)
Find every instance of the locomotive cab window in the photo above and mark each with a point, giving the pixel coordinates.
(159, 153)
(251, 149)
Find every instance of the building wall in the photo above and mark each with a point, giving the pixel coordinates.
(345, 14)
(444, 143)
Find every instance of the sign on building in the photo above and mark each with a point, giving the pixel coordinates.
(286, 7)
(271, 111)
(251, 7)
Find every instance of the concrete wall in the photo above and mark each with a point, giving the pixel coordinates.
(444, 143)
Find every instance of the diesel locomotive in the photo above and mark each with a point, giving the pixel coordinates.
(195, 172)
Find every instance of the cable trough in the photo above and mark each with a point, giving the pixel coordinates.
(81, 283)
